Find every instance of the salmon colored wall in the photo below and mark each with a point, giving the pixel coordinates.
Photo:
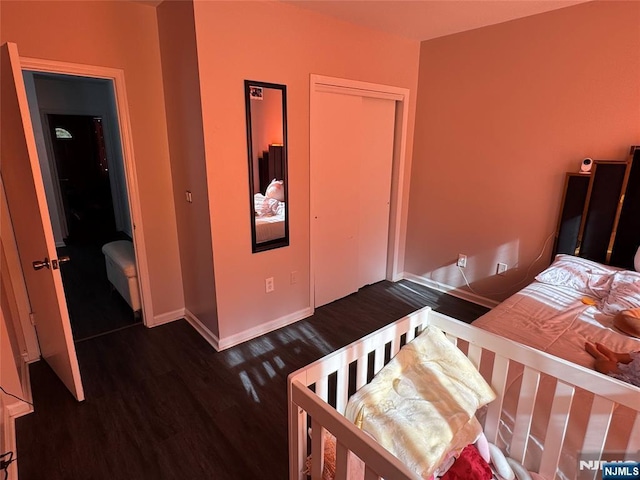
(278, 43)
(186, 145)
(503, 112)
(120, 35)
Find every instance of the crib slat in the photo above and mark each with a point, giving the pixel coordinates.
(317, 450)
(322, 388)
(378, 362)
(633, 445)
(342, 389)
(452, 338)
(598, 427)
(342, 462)
(556, 429)
(395, 346)
(524, 413)
(411, 334)
(475, 355)
(494, 409)
(369, 474)
(361, 372)
(298, 426)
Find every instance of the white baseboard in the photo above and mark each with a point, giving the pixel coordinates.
(453, 291)
(10, 413)
(19, 409)
(26, 360)
(207, 334)
(167, 317)
(249, 334)
(9, 441)
(237, 338)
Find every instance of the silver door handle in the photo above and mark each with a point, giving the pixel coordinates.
(37, 265)
(55, 264)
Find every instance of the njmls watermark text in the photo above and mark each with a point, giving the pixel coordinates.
(609, 466)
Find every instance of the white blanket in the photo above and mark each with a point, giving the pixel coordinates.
(421, 405)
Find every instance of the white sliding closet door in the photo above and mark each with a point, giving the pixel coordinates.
(351, 161)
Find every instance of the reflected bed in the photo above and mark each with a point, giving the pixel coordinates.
(269, 226)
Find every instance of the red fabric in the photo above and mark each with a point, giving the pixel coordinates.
(468, 466)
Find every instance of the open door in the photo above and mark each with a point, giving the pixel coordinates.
(24, 189)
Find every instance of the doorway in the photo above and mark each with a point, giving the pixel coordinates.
(77, 135)
(83, 177)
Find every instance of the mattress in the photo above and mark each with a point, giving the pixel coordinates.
(269, 228)
(554, 319)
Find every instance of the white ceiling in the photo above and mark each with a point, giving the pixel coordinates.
(427, 19)
(422, 19)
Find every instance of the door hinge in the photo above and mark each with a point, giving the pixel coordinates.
(32, 318)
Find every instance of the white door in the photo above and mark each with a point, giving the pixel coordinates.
(351, 161)
(24, 188)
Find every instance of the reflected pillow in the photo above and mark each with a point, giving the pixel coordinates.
(275, 190)
(624, 293)
(584, 276)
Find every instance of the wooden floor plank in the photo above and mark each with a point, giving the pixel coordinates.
(163, 404)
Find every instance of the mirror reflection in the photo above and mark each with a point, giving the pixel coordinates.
(267, 147)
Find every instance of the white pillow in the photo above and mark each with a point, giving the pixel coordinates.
(624, 293)
(580, 274)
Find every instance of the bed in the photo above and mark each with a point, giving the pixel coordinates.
(318, 395)
(572, 301)
(269, 225)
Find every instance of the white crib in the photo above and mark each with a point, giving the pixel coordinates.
(335, 376)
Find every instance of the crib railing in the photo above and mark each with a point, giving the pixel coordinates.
(521, 375)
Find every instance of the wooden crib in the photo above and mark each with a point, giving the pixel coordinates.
(318, 394)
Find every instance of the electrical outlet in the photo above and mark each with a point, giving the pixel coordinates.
(294, 277)
(462, 260)
(269, 285)
(502, 268)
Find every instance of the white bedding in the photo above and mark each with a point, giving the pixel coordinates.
(268, 227)
(555, 320)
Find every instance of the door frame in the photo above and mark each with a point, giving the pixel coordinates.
(30, 350)
(55, 178)
(400, 164)
(122, 115)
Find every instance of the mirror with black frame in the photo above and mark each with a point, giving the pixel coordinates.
(266, 110)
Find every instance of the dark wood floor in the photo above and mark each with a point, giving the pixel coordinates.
(95, 307)
(163, 404)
